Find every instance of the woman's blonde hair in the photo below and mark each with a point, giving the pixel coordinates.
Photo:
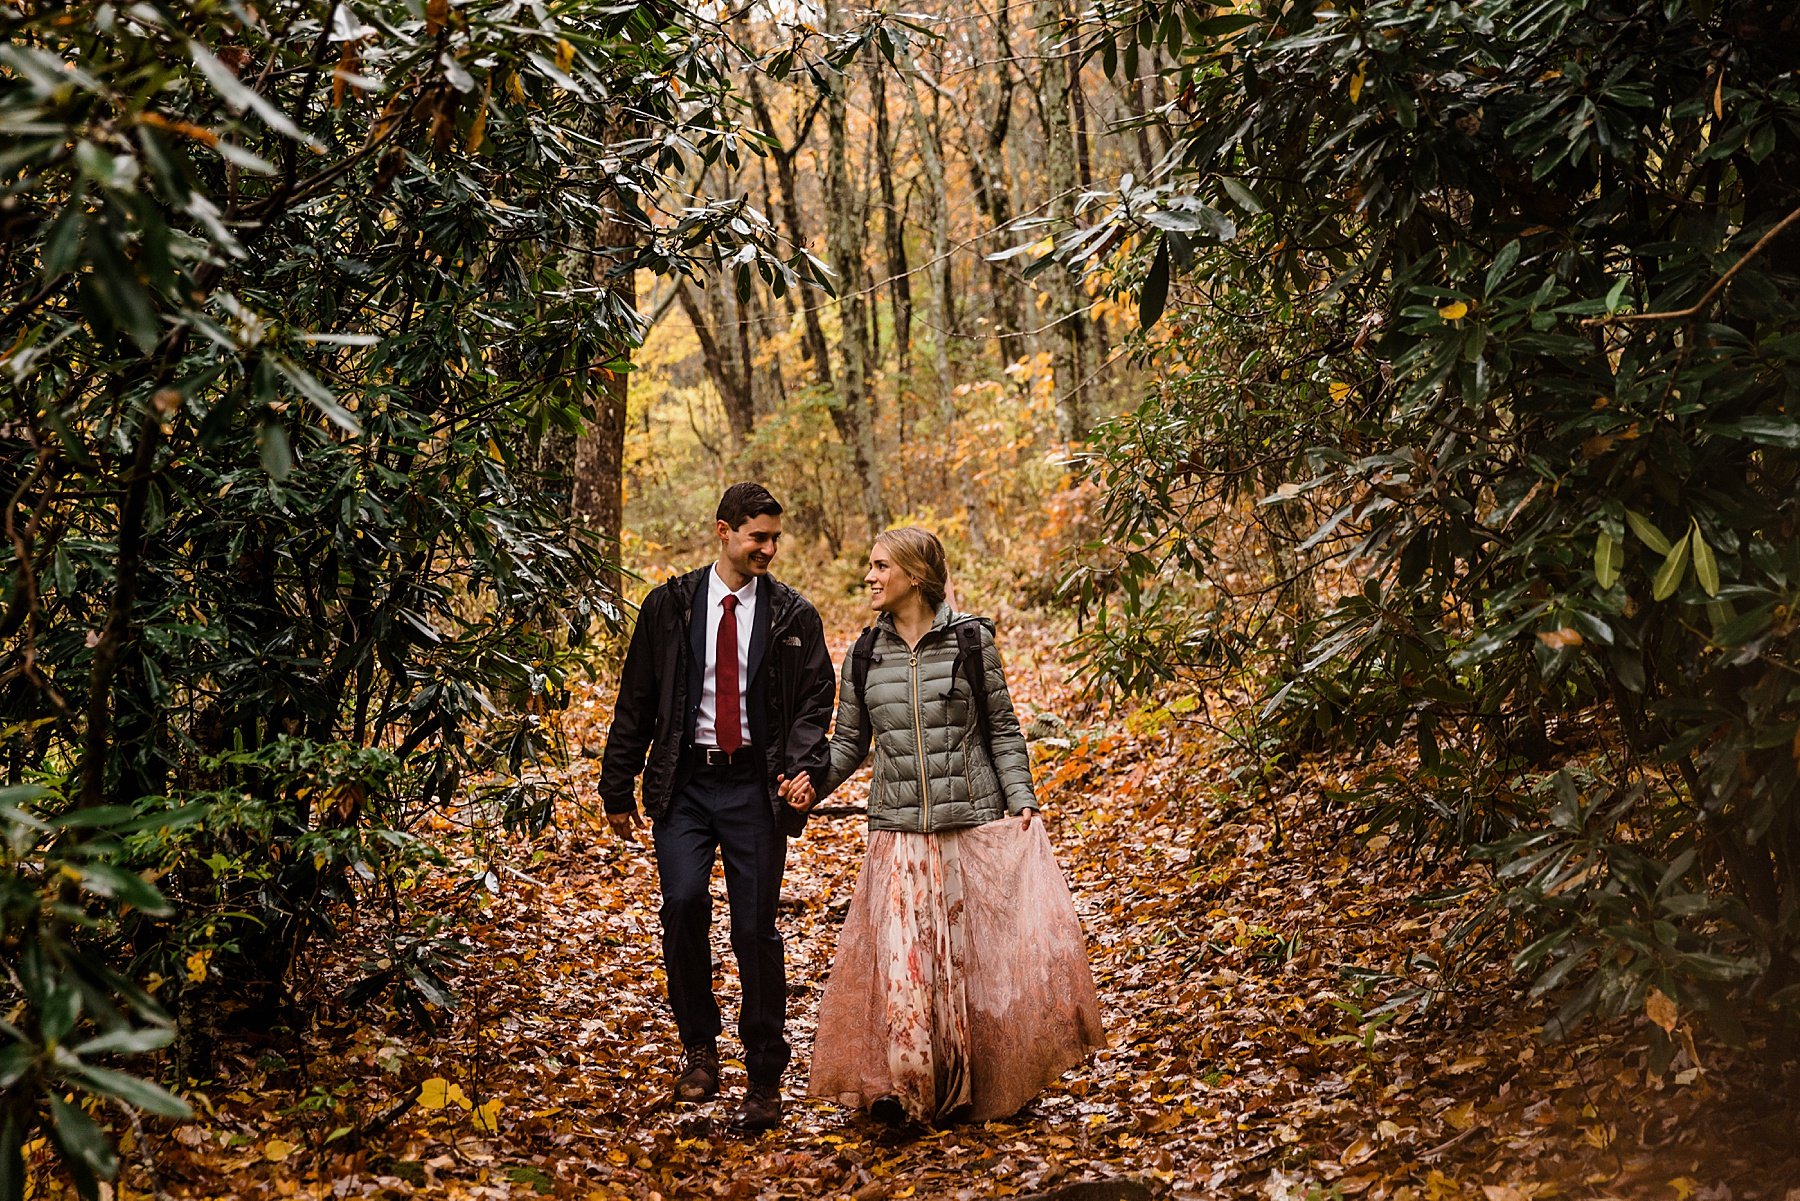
(918, 553)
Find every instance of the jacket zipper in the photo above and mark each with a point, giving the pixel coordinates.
(919, 744)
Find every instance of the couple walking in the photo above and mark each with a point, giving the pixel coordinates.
(960, 986)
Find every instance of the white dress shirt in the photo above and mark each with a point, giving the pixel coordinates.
(705, 725)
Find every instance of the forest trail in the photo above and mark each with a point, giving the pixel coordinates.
(1232, 953)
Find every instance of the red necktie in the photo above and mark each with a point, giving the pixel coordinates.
(728, 728)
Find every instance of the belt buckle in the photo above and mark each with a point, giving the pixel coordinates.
(717, 757)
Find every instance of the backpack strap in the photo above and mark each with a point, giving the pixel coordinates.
(968, 661)
(861, 655)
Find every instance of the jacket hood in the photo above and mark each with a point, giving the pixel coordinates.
(944, 619)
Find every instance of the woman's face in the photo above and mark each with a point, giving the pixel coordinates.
(888, 585)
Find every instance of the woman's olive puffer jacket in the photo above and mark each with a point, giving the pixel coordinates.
(932, 771)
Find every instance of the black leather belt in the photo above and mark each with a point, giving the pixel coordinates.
(712, 756)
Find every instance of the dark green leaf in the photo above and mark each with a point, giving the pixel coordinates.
(1668, 576)
(82, 1142)
(1155, 293)
(277, 458)
(1706, 567)
(1647, 532)
(132, 1090)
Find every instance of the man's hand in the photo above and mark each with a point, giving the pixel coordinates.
(625, 826)
(1025, 816)
(798, 792)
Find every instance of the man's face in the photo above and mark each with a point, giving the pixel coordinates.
(751, 547)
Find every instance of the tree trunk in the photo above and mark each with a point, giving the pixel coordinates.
(893, 227)
(1060, 174)
(726, 363)
(959, 473)
(597, 468)
(846, 236)
(987, 168)
(816, 346)
(940, 240)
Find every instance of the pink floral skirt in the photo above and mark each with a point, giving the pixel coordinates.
(961, 985)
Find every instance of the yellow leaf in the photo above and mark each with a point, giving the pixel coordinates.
(1456, 310)
(434, 1093)
(565, 53)
(514, 87)
(1356, 81)
(1683, 1186)
(1439, 1187)
(1461, 1116)
(276, 1150)
(1341, 391)
(1165, 1122)
(478, 128)
(456, 1096)
(486, 1118)
(196, 965)
(1661, 1010)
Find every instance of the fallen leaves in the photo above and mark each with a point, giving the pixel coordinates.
(1460, 1117)
(437, 1092)
(1240, 945)
(1661, 1010)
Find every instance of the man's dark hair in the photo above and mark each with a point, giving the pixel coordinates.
(741, 502)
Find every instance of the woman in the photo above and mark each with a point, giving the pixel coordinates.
(961, 986)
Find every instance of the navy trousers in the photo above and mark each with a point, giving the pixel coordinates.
(727, 810)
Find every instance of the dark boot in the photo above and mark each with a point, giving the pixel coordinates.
(888, 1111)
(760, 1108)
(699, 1079)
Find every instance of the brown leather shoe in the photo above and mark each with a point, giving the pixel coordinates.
(760, 1109)
(699, 1079)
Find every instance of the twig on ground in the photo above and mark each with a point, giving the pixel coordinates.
(1450, 1143)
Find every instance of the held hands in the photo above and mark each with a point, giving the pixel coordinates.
(625, 826)
(798, 793)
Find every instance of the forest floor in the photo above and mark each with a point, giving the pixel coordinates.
(1235, 953)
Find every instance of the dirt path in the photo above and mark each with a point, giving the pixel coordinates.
(1238, 962)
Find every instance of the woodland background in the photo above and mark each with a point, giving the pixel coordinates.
(1373, 422)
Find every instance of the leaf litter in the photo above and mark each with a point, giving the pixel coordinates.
(1277, 1027)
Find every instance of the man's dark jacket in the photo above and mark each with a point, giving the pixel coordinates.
(790, 695)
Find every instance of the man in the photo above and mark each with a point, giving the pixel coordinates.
(728, 689)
